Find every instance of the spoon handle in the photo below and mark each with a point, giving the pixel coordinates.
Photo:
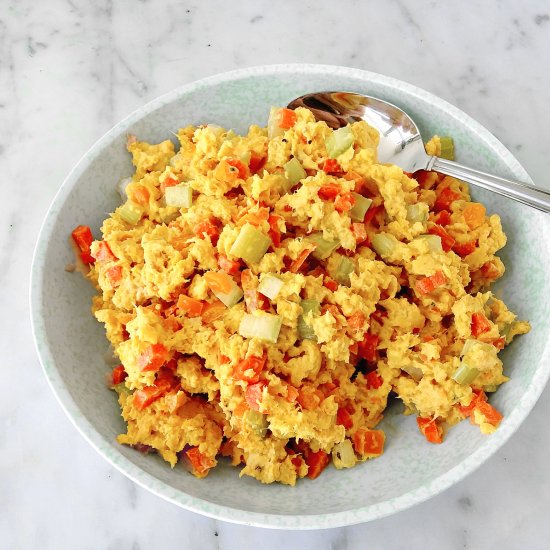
(521, 192)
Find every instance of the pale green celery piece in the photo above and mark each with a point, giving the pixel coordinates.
(312, 307)
(342, 272)
(294, 171)
(343, 455)
(362, 204)
(383, 244)
(415, 372)
(447, 148)
(231, 298)
(434, 242)
(129, 213)
(251, 244)
(339, 141)
(471, 343)
(180, 196)
(324, 248)
(465, 374)
(417, 212)
(264, 326)
(256, 421)
(273, 129)
(270, 286)
(121, 388)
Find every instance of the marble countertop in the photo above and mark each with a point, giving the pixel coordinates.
(70, 69)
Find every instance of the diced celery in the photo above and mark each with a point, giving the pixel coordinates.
(415, 372)
(251, 244)
(383, 244)
(262, 325)
(294, 171)
(339, 141)
(465, 374)
(343, 270)
(343, 455)
(180, 196)
(270, 286)
(273, 129)
(122, 388)
(434, 242)
(129, 213)
(312, 307)
(447, 148)
(256, 421)
(324, 248)
(362, 204)
(229, 299)
(417, 212)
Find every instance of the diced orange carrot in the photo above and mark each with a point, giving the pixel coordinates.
(490, 414)
(192, 307)
(207, 228)
(285, 118)
(474, 214)
(152, 358)
(138, 194)
(240, 166)
(359, 232)
(299, 261)
(344, 203)
(114, 275)
(499, 343)
(429, 284)
(292, 393)
(477, 397)
(219, 281)
(249, 369)
(104, 253)
(309, 398)
(274, 231)
(213, 311)
(199, 461)
(368, 443)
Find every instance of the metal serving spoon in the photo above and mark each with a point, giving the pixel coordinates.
(401, 143)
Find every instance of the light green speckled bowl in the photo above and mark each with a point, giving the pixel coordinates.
(72, 345)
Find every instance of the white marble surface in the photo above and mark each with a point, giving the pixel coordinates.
(70, 69)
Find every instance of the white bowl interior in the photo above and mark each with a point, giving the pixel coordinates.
(72, 345)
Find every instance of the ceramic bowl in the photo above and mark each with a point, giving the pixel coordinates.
(72, 345)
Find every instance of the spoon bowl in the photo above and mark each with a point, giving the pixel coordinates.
(401, 142)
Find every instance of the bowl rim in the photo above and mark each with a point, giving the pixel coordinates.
(108, 449)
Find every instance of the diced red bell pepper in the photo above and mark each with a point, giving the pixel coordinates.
(445, 198)
(331, 166)
(274, 231)
(464, 249)
(329, 191)
(479, 324)
(114, 275)
(199, 461)
(316, 462)
(367, 348)
(118, 375)
(285, 118)
(429, 284)
(83, 238)
(447, 242)
(207, 228)
(478, 397)
(430, 429)
(359, 232)
(443, 218)
(344, 203)
(231, 267)
(374, 380)
(256, 163)
(240, 166)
